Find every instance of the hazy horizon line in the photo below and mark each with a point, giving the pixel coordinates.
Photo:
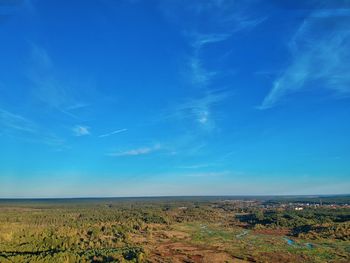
(173, 196)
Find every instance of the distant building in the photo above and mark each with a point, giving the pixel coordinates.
(298, 208)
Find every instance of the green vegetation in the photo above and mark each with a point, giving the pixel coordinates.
(172, 230)
(309, 223)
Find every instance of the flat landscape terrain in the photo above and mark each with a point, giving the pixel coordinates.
(186, 229)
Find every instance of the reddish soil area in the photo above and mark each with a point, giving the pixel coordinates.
(274, 232)
(282, 257)
(177, 252)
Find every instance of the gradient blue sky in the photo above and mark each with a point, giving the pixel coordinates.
(174, 97)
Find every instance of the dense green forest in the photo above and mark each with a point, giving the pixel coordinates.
(211, 229)
(310, 223)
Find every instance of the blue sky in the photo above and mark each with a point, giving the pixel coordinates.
(174, 97)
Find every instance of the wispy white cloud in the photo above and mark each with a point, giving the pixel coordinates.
(199, 75)
(327, 13)
(208, 174)
(200, 109)
(203, 117)
(48, 87)
(320, 57)
(81, 130)
(200, 40)
(204, 25)
(77, 106)
(220, 16)
(16, 122)
(194, 166)
(112, 133)
(17, 126)
(137, 151)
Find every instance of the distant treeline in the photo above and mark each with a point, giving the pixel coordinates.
(308, 223)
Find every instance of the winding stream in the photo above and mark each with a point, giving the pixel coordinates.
(291, 242)
(244, 232)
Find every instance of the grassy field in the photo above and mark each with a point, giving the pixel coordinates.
(169, 230)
